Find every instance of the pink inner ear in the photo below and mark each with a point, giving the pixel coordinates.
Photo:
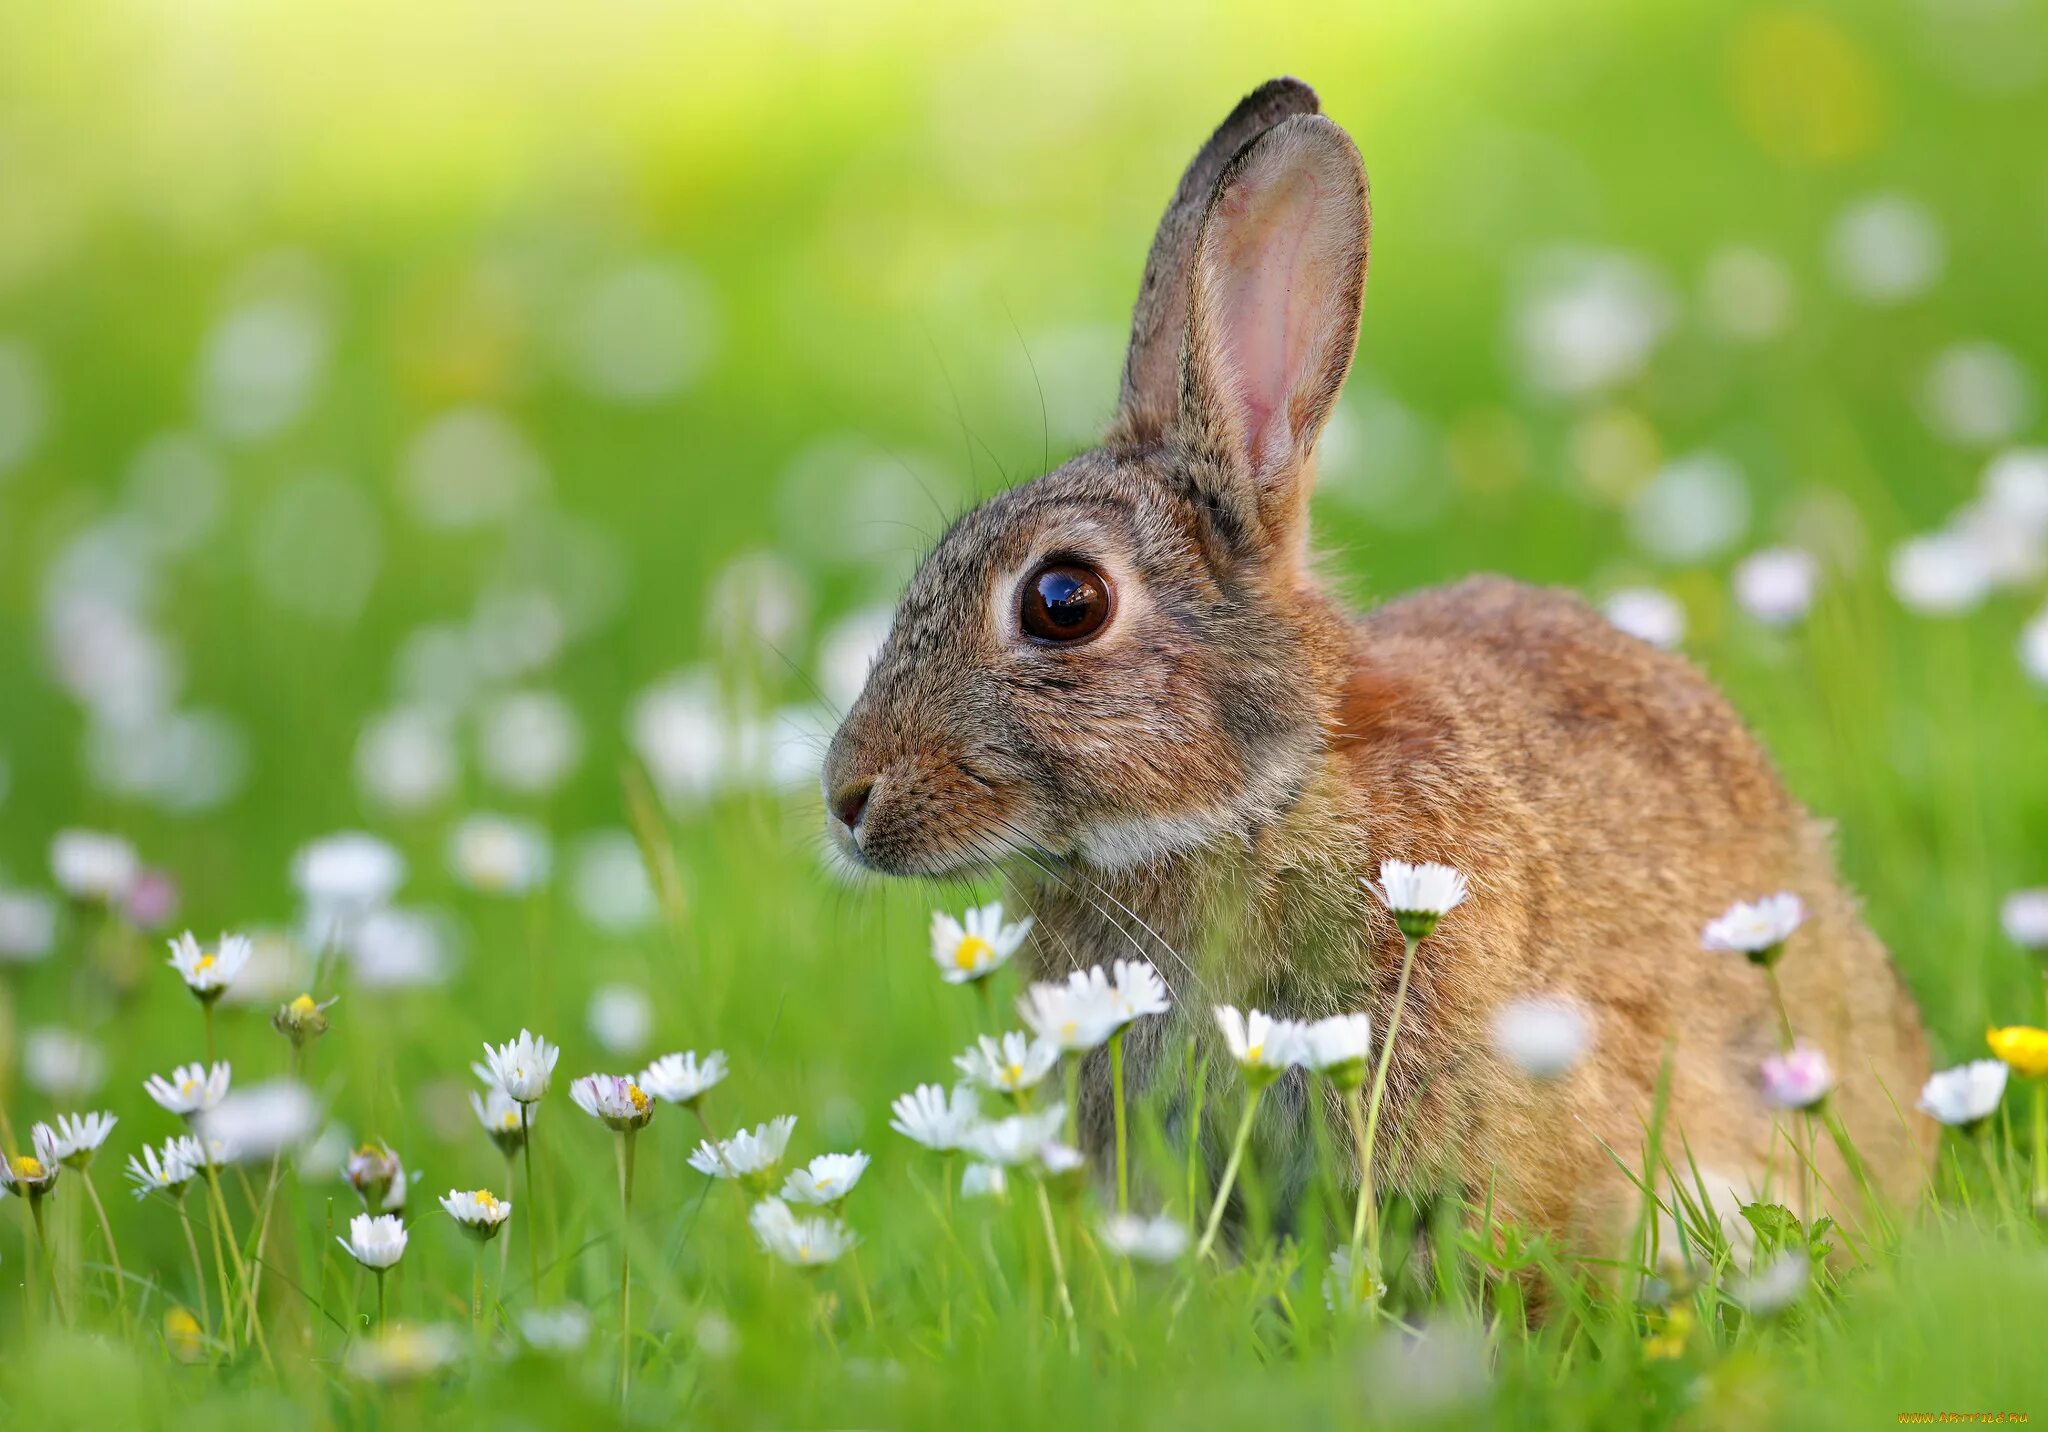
(1266, 306)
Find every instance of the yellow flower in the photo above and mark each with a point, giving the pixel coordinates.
(186, 1338)
(2022, 1047)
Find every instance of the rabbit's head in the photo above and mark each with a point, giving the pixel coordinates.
(1113, 662)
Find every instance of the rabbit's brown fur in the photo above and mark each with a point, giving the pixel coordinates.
(1209, 782)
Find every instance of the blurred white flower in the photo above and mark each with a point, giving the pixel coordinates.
(1746, 293)
(109, 661)
(504, 1118)
(560, 1330)
(682, 1078)
(500, 855)
(609, 881)
(1647, 615)
(1436, 1374)
(377, 1174)
(717, 1338)
(2034, 648)
(2025, 918)
(758, 602)
(469, 467)
(209, 972)
(28, 926)
(1976, 394)
(1798, 1078)
(1337, 1047)
(261, 365)
(679, 729)
(800, 1242)
(479, 1212)
(1011, 1065)
(1543, 1037)
(826, 1180)
(746, 1153)
(521, 1067)
(1775, 1287)
(60, 1063)
(1939, 574)
(1161, 1239)
(166, 1172)
(192, 1089)
(77, 1137)
(1966, 1095)
(347, 873)
(1588, 319)
(514, 631)
(88, 865)
(316, 546)
(24, 404)
(977, 945)
(1057, 1160)
(403, 1352)
(1014, 1140)
(1263, 1047)
(2015, 487)
(1885, 249)
(2009, 553)
(177, 491)
(434, 669)
(641, 333)
(261, 1120)
(1776, 585)
(178, 761)
(398, 948)
(983, 1180)
(405, 759)
(621, 1018)
(1694, 509)
(1757, 929)
(375, 1241)
(848, 649)
(934, 1117)
(529, 741)
(325, 1155)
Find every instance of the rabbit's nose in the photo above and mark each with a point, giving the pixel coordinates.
(850, 802)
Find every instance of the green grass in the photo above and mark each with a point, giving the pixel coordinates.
(919, 233)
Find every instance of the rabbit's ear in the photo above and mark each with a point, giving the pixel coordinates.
(1275, 289)
(1151, 388)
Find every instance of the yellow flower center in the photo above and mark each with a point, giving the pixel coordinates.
(304, 1008)
(1251, 1055)
(1014, 1074)
(487, 1200)
(825, 1183)
(188, 1087)
(640, 1100)
(510, 1123)
(972, 951)
(205, 963)
(27, 1166)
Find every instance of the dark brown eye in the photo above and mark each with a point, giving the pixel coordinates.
(1065, 602)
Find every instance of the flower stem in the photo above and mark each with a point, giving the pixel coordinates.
(380, 1295)
(1367, 1148)
(625, 1148)
(1368, 1203)
(1116, 1087)
(113, 1253)
(532, 1203)
(1778, 998)
(1237, 1146)
(220, 1211)
(198, 1264)
(35, 1209)
(2040, 1147)
(1059, 1268)
(946, 1266)
(220, 1266)
(207, 1007)
(1982, 1139)
(476, 1290)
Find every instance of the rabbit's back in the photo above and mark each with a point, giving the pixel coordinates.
(1608, 803)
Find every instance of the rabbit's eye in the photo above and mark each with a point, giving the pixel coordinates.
(1064, 602)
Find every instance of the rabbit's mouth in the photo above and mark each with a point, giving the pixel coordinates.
(944, 821)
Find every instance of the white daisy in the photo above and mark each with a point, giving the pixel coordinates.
(375, 1241)
(800, 1242)
(347, 873)
(1264, 1047)
(826, 1181)
(983, 1180)
(1774, 1287)
(1145, 1240)
(480, 1212)
(977, 945)
(682, 1078)
(1758, 930)
(168, 1172)
(1542, 1037)
(1776, 585)
(1138, 990)
(521, 1067)
(1419, 895)
(935, 1118)
(400, 1352)
(746, 1153)
(1966, 1095)
(1011, 1065)
(208, 974)
(89, 865)
(377, 1175)
(31, 1175)
(498, 855)
(1079, 1014)
(77, 1137)
(1337, 1048)
(1014, 1140)
(263, 1119)
(28, 926)
(191, 1089)
(2025, 918)
(560, 1330)
(622, 1105)
(504, 1118)
(1057, 1161)
(620, 1017)
(1799, 1078)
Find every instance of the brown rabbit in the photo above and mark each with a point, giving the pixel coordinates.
(1124, 681)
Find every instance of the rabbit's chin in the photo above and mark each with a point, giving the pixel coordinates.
(968, 858)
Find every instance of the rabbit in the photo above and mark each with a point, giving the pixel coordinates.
(1124, 684)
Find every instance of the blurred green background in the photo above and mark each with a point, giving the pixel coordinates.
(408, 410)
